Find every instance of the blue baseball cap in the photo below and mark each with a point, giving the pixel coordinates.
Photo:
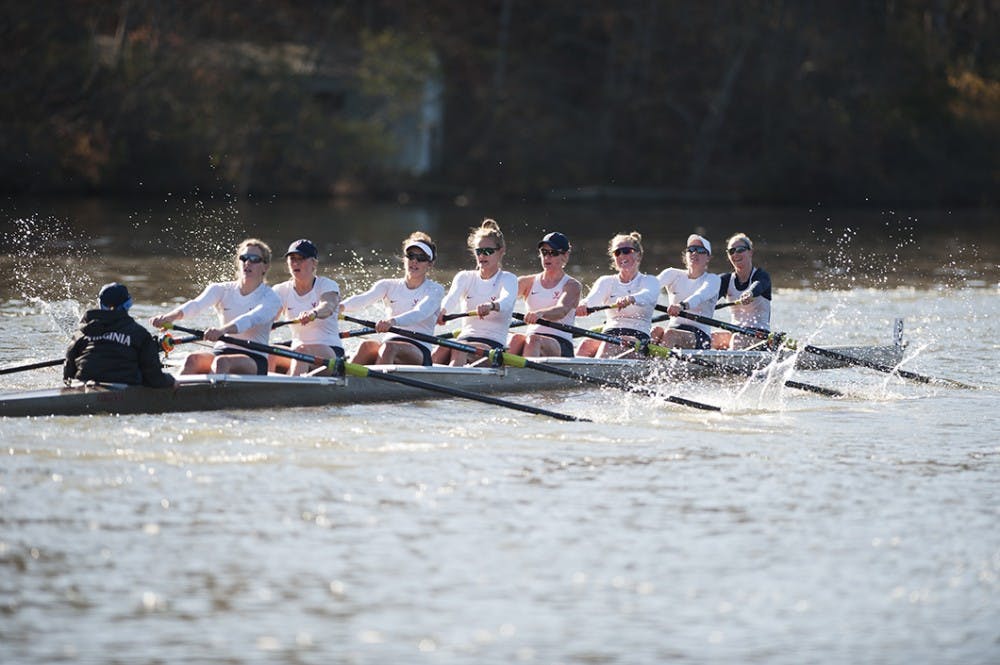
(114, 295)
(556, 240)
(303, 248)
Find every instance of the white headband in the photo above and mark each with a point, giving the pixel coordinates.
(707, 244)
(422, 245)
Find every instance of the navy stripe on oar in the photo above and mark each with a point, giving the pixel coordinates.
(340, 366)
(664, 352)
(520, 361)
(760, 333)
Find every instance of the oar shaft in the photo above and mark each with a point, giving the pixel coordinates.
(59, 361)
(760, 333)
(334, 364)
(520, 361)
(455, 392)
(664, 352)
(38, 365)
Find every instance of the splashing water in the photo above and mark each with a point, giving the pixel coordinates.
(49, 268)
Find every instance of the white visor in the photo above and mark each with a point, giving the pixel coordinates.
(421, 245)
(705, 243)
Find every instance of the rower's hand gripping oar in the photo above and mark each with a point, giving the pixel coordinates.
(664, 352)
(340, 367)
(520, 361)
(760, 333)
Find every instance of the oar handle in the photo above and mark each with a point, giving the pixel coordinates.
(758, 333)
(367, 330)
(430, 339)
(458, 315)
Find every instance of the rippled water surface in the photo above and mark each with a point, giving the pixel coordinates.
(789, 528)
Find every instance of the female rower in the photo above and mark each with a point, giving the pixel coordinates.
(552, 295)
(487, 293)
(246, 308)
(630, 294)
(413, 302)
(693, 289)
(311, 301)
(750, 289)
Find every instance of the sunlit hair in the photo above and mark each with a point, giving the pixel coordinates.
(420, 236)
(488, 229)
(633, 239)
(265, 251)
(739, 237)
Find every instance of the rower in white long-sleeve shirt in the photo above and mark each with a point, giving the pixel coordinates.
(489, 291)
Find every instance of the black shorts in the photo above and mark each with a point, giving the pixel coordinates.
(492, 343)
(627, 332)
(702, 340)
(260, 360)
(424, 351)
(565, 345)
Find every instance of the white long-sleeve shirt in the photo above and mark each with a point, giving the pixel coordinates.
(700, 294)
(412, 309)
(608, 289)
(251, 314)
(469, 290)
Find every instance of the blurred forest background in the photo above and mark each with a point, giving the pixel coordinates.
(760, 101)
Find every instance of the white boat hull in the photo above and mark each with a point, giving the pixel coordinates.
(221, 392)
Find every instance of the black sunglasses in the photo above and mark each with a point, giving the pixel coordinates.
(486, 251)
(737, 250)
(419, 258)
(696, 249)
(550, 252)
(251, 258)
(618, 251)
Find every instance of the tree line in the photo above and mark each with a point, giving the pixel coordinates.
(861, 101)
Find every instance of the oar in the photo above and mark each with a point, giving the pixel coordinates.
(459, 315)
(38, 365)
(723, 305)
(760, 333)
(165, 346)
(458, 331)
(520, 361)
(337, 365)
(664, 352)
(357, 332)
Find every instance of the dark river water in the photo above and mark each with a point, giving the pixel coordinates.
(789, 528)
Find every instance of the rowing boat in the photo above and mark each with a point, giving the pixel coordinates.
(215, 392)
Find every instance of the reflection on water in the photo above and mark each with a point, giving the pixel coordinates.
(171, 247)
